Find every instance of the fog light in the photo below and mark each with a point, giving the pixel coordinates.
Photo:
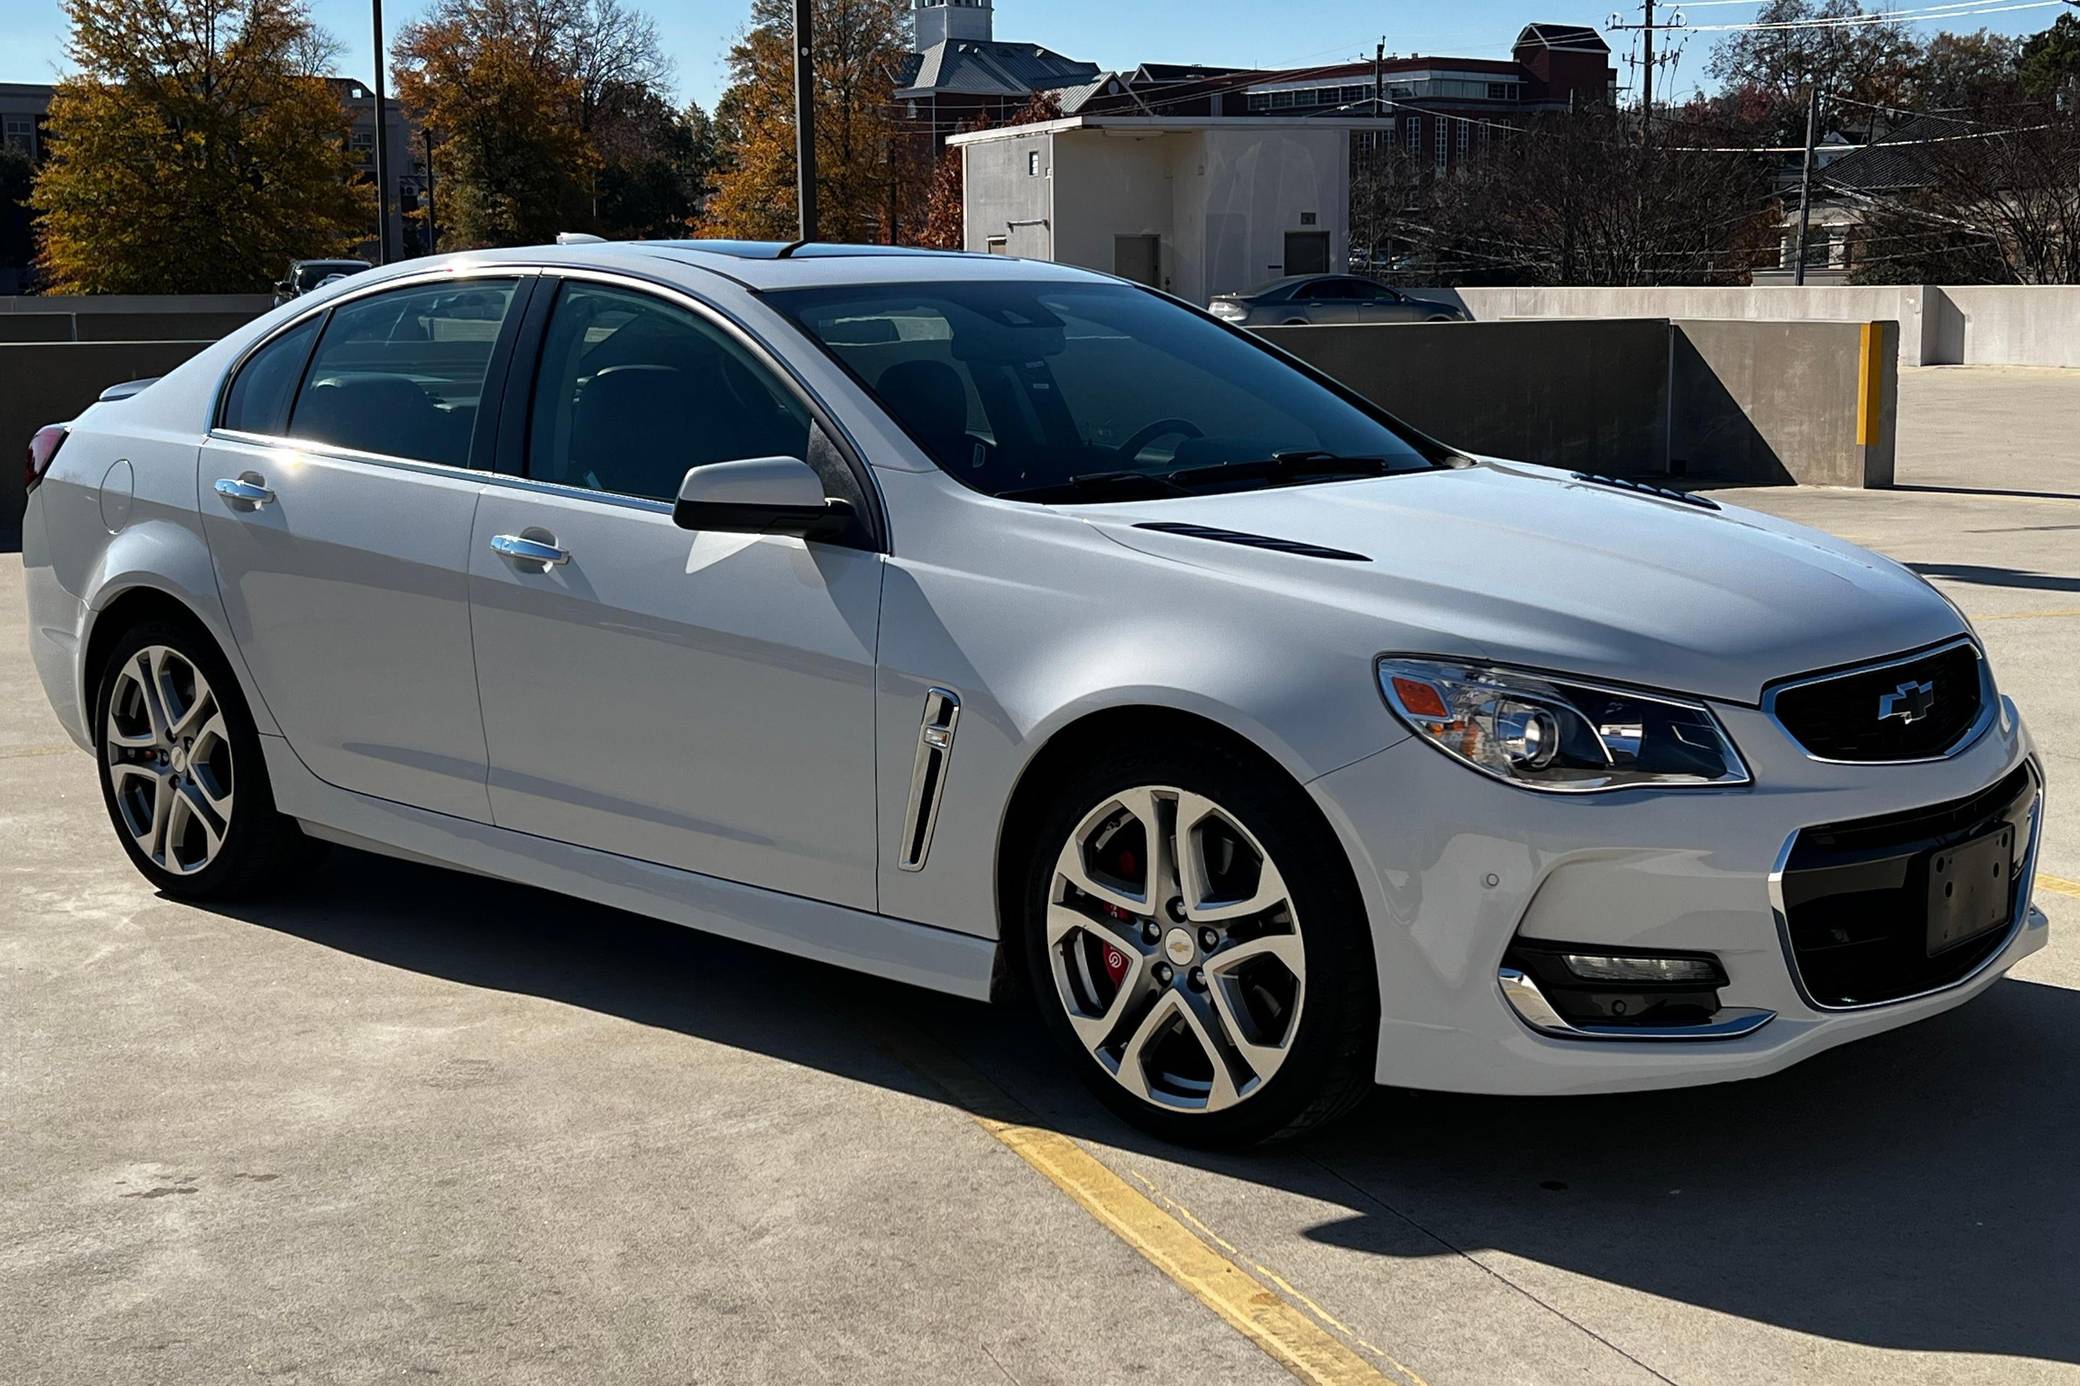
(1600, 967)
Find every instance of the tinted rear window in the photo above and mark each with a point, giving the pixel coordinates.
(260, 393)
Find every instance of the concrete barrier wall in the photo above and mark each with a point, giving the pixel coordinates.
(120, 327)
(252, 305)
(49, 382)
(1755, 402)
(1586, 395)
(1940, 325)
(1768, 402)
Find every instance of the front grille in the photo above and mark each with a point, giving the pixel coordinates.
(1911, 709)
(1855, 896)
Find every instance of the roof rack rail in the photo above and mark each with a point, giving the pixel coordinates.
(579, 238)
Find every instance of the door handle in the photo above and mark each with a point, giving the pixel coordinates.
(523, 550)
(241, 492)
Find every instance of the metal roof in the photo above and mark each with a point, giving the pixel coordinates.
(974, 67)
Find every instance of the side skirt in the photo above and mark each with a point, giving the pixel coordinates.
(896, 949)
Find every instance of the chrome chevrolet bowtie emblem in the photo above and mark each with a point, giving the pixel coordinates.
(1910, 702)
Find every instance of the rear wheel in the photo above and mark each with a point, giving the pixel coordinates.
(181, 770)
(1194, 941)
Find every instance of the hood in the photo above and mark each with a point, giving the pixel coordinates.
(1526, 565)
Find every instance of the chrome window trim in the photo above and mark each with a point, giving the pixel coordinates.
(1989, 702)
(2024, 902)
(334, 453)
(647, 504)
(1531, 1006)
(360, 291)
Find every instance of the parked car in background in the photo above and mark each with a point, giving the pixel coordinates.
(305, 275)
(1301, 299)
(1005, 628)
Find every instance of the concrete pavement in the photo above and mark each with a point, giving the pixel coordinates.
(412, 1124)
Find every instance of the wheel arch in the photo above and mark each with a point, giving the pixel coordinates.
(1091, 732)
(122, 606)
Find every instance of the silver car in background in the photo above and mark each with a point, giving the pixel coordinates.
(1007, 629)
(1322, 299)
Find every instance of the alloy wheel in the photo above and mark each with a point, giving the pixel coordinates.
(1175, 949)
(168, 754)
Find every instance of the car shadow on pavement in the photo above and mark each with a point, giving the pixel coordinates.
(1983, 576)
(1913, 1191)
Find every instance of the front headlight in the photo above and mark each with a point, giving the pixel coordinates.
(1559, 734)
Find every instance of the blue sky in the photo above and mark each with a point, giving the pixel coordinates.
(1112, 33)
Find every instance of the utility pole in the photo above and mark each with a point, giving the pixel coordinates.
(1379, 77)
(382, 147)
(1805, 181)
(1646, 106)
(432, 228)
(805, 116)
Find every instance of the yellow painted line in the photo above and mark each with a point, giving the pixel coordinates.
(1870, 380)
(1275, 1324)
(2028, 615)
(2058, 883)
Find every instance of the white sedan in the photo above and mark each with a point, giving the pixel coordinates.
(1000, 627)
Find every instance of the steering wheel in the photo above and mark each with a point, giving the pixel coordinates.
(1184, 428)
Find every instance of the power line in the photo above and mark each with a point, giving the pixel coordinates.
(1964, 9)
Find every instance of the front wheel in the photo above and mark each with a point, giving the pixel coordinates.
(181, 771)
(1194, 941)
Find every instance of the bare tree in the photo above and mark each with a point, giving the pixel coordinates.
(1579, 199)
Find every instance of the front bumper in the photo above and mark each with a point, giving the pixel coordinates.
(1454, 866)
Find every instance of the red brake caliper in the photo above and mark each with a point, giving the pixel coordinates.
(1115, 959)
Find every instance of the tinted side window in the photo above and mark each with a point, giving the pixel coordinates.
(632, 391)
(402, 374)
(259, 398)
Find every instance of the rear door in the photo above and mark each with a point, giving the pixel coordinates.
(337, 494)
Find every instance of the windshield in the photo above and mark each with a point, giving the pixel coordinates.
(311, 273)
(1071, 392)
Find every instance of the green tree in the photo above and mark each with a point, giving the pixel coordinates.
(1961, 71)
(197, 148)
(865, 188)
(2050, 60)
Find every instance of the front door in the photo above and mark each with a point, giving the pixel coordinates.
(703, 701)
(337, 497)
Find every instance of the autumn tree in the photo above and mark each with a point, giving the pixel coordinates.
(492, 80)
(862, 169)
(1958, 71)
(1772, 68)
(196, 148)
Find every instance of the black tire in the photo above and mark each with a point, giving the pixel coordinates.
(1329, 1066)
(260, 847)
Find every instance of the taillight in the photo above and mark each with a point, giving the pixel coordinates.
(42, 449)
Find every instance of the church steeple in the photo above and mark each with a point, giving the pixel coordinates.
(940, 20)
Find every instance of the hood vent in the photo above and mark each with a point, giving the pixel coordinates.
(1253, 541)
(1641, 488)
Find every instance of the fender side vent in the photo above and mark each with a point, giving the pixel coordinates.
(1253, 541)
(1641, 488)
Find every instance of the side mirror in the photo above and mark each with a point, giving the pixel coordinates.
(761, 495)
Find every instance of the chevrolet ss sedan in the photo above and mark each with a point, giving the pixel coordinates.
(1007, 629)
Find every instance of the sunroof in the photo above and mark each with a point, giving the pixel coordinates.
(771, 250)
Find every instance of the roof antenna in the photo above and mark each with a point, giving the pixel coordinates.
(787, 251)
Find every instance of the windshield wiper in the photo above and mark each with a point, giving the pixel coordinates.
(1312, 464)
(1092, 485)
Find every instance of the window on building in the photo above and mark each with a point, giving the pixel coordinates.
(1356, 93)
(1259, 101)
(21, 134)
(1499, 91)
(1281, 99)
(1032, 163)
(1400, 89)
(1415, 132)
(1465, 138)
(1443, 142)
